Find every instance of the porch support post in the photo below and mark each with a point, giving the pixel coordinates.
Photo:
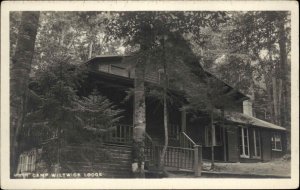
(183, 120)
(197, 160)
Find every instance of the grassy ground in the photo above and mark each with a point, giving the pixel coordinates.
(279, 167)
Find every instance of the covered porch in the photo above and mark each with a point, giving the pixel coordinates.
(182, 152)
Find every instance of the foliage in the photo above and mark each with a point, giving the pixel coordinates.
(98, 113)
(265, 38)
(246, 53)
(61, 112)
(15, 20)
(68, 34)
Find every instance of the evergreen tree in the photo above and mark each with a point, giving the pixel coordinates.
(67, 118)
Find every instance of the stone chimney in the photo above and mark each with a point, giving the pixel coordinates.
(247, 107)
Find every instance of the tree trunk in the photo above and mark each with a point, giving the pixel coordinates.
(285, 110)
(271, 106)
(283, 63)
(275, 100)
(165, 107)
(280, 106)
(274, 87)
(90, 49)
(270, 99)
(139, 121)
(19, 77)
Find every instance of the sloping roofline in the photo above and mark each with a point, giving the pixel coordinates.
(120, 57)
(245, 97)
(250, 120)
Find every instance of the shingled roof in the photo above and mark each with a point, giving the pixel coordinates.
(249, 120)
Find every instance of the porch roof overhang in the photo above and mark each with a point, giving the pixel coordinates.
(249, 120)
(126, 82)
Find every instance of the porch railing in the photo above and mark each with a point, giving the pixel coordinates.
(189, 159)
(185, 141)
(186, 157)
(181, 158)
(151, 156)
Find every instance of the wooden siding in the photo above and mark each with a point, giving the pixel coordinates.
(266, 145)
(233, 144)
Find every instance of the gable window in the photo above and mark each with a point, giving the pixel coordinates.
(244, 142)
(276, 141)
(104, 68)
(114, 69)
(117, 70)
(256, 141)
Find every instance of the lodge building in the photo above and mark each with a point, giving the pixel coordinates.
(238, 137)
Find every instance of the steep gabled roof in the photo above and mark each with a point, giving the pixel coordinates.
(231, 90)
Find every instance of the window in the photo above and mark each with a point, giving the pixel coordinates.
(117, 70)
(114, 69)
(276, 141)
(162, 77)
(104, 68)
(208, 135)
(244, 142)
(218, 135)
(256, 141)
(173, 131)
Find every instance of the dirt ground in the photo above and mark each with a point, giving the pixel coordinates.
(278, 167)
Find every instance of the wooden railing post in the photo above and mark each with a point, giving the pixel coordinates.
(197, 164)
